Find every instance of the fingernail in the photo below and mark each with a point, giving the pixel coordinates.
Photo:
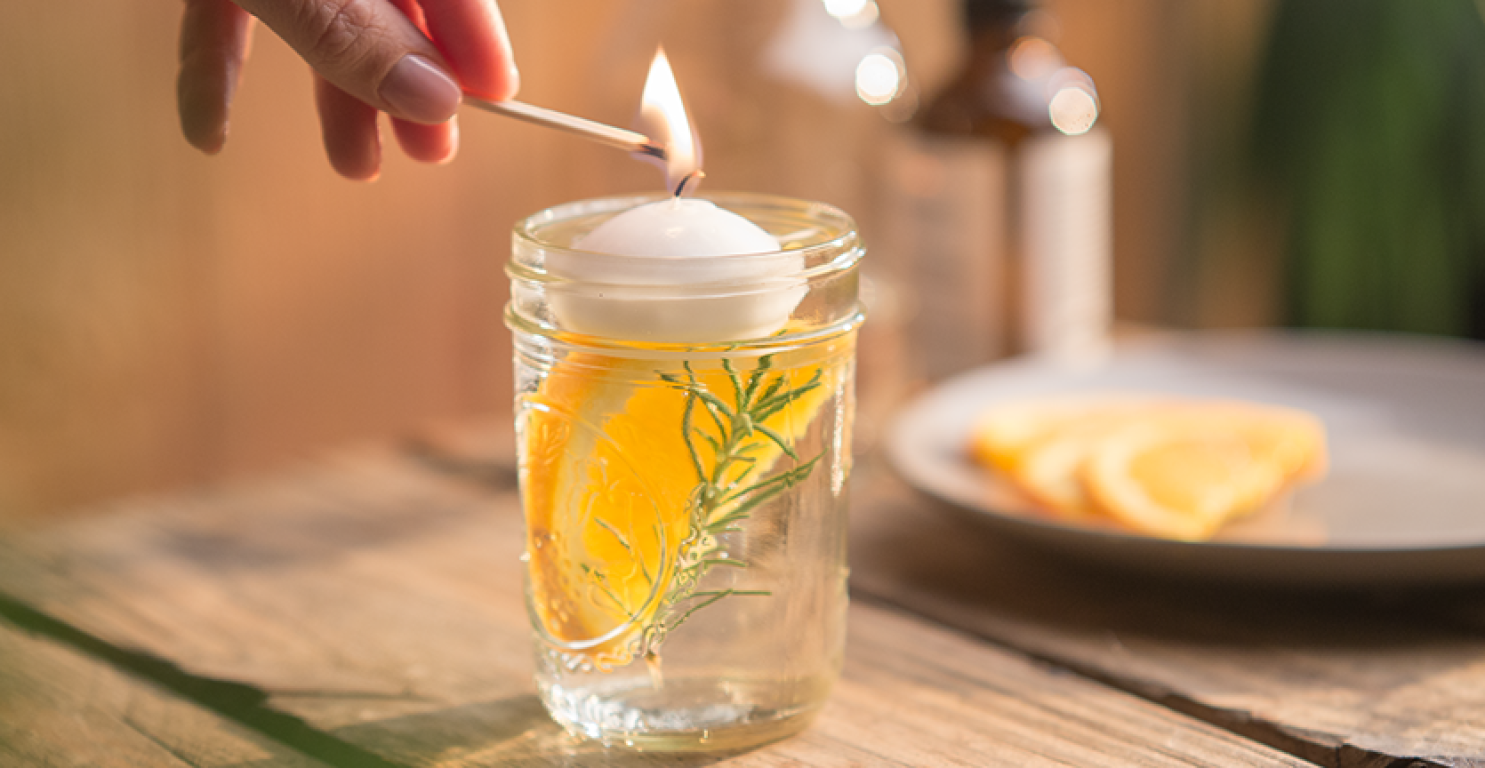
(453, 142)
(514, 78)
(419, 91)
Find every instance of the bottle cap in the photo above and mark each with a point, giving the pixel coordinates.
(983, 13)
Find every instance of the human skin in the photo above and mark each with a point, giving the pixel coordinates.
(412, 59)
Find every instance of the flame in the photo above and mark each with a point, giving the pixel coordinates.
(662, 117)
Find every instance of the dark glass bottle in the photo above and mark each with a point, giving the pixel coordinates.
(1001, 204)
(982, 99)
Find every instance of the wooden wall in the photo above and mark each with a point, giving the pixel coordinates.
(168, 318)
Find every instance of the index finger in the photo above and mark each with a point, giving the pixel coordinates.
(214, 39)
(471, 35)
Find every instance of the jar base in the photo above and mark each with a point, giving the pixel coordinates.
(704, 714)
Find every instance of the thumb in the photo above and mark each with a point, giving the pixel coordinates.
(368, 49)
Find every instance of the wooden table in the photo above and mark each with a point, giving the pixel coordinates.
(366, 610)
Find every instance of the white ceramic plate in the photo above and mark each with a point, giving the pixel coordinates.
(1402, 505)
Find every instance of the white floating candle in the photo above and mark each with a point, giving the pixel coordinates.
(679, 228)
(677, 270)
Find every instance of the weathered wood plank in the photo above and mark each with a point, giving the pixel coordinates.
(59, 707)
(1340, 679)
(940, 698)
(379, 600)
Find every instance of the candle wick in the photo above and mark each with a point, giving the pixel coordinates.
(696, 175)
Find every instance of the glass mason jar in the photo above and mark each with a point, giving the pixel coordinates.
(685, 502)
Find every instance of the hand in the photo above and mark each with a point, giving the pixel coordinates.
(409, 58)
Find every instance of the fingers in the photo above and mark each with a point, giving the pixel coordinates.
(428, 143)
(369, 50)
(471, 34)
(425, 143)
(353, 143)
(349, 129)
(369, 56)
(214, 41)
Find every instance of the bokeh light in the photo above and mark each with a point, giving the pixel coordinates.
(1073, 107)
(1032, 58)
(879, 77)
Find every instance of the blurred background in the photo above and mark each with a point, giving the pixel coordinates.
(170, 319)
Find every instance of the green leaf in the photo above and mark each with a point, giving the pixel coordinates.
(686, 430)
(778, 440)
(773, 387)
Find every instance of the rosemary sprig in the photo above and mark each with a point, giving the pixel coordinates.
(717, 505)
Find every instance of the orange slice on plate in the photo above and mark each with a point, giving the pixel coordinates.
(1178, 483)
(1041, 445)
(1173, 468)
(1048, 469)
(1003, 434)
(1185, 470)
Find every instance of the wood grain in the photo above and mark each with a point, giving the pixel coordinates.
(59, 707)
(378, 598)
(1341, 679)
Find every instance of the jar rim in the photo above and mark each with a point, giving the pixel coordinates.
(841, 243)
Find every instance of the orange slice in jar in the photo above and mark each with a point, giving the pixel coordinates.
(607, 480)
